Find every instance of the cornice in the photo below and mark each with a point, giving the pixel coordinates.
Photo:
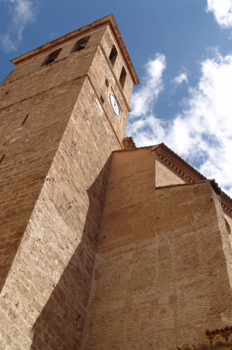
(217, 340)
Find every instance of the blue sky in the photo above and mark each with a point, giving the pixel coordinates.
(182, 52)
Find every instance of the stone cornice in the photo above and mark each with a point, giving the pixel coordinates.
(216, 340)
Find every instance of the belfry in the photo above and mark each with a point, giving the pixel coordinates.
(103, 245)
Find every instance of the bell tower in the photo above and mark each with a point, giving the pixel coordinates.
(63, 111)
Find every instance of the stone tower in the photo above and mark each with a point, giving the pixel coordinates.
(63, 112)
(102, 246)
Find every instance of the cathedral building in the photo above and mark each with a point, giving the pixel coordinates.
(103, 245)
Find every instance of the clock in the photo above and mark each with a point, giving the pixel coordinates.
(115, 105)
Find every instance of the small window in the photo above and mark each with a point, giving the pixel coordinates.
(113, 55)
(122, 78)
(80, 44)
(51, 57)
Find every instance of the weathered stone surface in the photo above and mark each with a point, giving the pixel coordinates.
(156, 278)
(165, 176)
(128, 143)
(29, 150)
(203, 344)
(218, 342)
(186, 346)
(58, 138)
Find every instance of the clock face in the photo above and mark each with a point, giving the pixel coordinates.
(114, 104)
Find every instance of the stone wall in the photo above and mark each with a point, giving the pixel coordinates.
(36, 104)
(78, 60)
(165, 177)
(161, 272)
(31, 132)
(55, 161)
(45, 296)
(100, 74)
(107, 42)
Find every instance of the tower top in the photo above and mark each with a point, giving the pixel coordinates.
(108, 20)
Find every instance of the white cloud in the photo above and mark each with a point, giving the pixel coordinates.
(22, 12)
(180, 78)
(202, 133)
(142, 124)
(151, 87)
(222, 10)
